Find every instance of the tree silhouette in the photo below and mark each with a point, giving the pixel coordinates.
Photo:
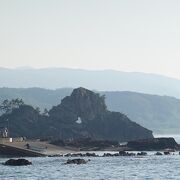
(8, 105)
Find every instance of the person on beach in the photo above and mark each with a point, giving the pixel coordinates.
(28, 146)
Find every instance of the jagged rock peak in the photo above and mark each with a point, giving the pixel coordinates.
(84, 101)
(81, 92)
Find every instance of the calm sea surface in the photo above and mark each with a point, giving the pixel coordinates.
(132, 168)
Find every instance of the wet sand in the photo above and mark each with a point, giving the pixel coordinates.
(42, 147)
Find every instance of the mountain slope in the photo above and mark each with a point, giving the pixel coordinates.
(159, 113)
(107, 80)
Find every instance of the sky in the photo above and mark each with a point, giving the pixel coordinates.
(125, 35)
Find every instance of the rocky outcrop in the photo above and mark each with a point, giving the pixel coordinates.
(81, 115)
(17, 162)
(153, 144)
(84, 114)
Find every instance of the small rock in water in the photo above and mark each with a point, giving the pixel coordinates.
(124, 153)
(166, 153)
(17, 162)
(158, 154)
(142, 154)
(76, 161)
(56, 155)
(107, 155)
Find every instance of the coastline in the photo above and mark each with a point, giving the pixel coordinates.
(39, 148)
(175, 136)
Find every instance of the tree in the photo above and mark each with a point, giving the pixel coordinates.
(46, 112)
(7, 106)
(38, 110)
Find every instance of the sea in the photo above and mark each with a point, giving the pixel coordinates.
(98, 168)
(150, 167)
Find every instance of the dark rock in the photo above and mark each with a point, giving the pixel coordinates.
(91, 155)
(121, 153)
(78, 155)
(158, 154)
(107, 155)
(17, 162)
(142, 154)
(68, 155)
(95, 120)
(76, 161)
(124, 153)
(82, 155)
(56, 155)
(153, 144)
(110, 155)
(167, 153)
(116, 154)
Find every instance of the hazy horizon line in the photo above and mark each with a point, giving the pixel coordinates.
(85, 69)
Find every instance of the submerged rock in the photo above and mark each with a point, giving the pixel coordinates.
(17, 162)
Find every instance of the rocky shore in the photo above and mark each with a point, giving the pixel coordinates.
(88, 144)
(115, 154)
(88, 148)
(153, 144)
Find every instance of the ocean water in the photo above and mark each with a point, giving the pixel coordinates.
(99, 168)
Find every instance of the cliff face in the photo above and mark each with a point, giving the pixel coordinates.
(87, 116)
(82, 103)
(83, 114)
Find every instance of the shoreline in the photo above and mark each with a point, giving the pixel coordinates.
(37, 148)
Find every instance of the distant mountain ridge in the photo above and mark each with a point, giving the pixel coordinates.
(104, 80)
(158, 113)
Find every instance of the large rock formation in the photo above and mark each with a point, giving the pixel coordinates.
(84, 114)
(153, 144)
(81, 115)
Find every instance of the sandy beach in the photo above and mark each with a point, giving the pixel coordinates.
(42, 147)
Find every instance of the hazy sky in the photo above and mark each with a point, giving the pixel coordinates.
(128, 35)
